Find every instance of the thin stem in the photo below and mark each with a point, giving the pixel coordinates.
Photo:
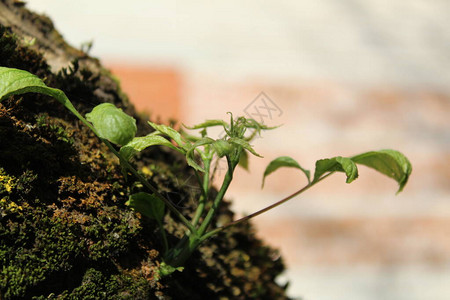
(200, 181)
(150, 187)
(257, 213)
(182, 251)
(216, 165)
(205, 190)
(201, 201)
(212, 211)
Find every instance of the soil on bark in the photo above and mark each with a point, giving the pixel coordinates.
(65, 232)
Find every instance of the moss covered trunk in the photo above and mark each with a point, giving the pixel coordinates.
(65, 232)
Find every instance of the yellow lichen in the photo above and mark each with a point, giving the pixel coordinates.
(10, 206)
(7, 183)
(13, 207)
(147, 171)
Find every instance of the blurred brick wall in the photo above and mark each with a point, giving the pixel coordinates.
(154, 90)
(333, 226)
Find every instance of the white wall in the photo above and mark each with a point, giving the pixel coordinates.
(377, 41)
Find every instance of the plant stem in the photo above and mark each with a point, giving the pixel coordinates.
(205, 190)
(212, 211)
(257, 213)
(216, 165)
(182, 251)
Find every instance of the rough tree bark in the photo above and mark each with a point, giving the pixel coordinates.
(65, 232)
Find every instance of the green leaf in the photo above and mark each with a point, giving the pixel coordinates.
(244, 144)
(243, 160)
(140, 143)
(252, 123)
(165, 270)
(112, 123)
(188, 137)
(208, 123)
(283, 161)
(190, 153)
(17, 82)
(388, 162)
(170, 132)
(148, 205)
(336, 164)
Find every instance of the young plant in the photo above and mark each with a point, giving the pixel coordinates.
(112, 125)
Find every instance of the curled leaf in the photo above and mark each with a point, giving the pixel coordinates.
(188, 137)
(336, 164)
(190, 153)
(140, 143)
(283, 161)
(208, 123)
(244, 144)
(169, 131)
(388, 162)
(112, 123)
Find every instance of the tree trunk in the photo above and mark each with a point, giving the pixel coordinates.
(65, 232)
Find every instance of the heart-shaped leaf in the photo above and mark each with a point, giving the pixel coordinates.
(148, 205)
(112, 123)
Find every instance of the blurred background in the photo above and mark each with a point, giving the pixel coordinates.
(342, 77)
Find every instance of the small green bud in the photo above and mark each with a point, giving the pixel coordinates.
(222, 148)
